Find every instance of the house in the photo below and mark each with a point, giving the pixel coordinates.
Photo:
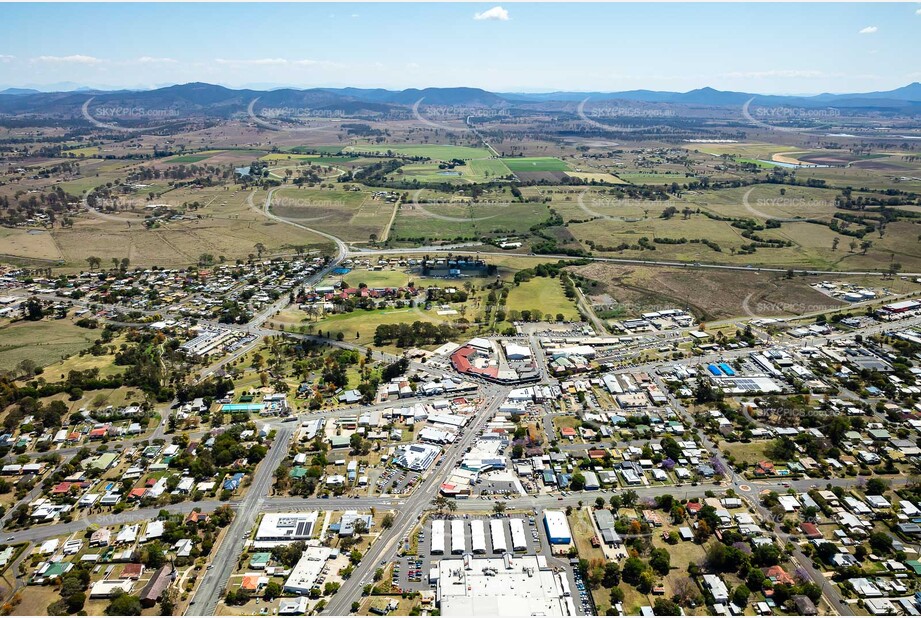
(717, 588)
(804, 605)
(154, 589)
(810, 530)
(777, 575)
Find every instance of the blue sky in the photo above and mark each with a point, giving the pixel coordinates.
(760, 47)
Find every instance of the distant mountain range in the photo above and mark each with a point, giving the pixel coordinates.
(200, 99)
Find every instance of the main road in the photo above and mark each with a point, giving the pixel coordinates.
(225, 559)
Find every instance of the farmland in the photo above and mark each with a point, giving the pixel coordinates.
(432, 151)
(535, 164)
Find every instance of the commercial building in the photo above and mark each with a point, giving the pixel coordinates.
(286, 527)
(306, 573)
(507, 586)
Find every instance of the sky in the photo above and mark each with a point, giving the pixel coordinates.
(767, 48)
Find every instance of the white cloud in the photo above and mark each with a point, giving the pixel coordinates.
(869, 30)
(255, 62)
(6, 58)
(790, 73)
(75, 59)
(496, 13)
(918, 12)
(152, 60)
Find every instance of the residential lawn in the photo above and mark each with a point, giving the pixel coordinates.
(750, 453)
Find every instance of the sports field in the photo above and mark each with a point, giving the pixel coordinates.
(535, 164)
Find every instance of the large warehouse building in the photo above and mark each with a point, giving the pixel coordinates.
(506, 586)
(557, 527)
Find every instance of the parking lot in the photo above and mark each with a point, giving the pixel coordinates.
(396, 481)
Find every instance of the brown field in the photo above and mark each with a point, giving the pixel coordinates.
(709, 295)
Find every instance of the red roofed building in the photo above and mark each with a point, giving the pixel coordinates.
(197, 516)
(810, 530)
(137, 493)
(132, 571)
(597, 453)
(692, 508)
(778, 576)
(61, 488)
(568, 432)
(764, 468)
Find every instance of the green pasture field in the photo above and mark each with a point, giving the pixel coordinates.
(651, 178)
(542, 293)
(350, 215)
(755, 150)
(44, 342)
(322, 150)
(438, 152)
(535, 164)
(466, 220)
(488, 169)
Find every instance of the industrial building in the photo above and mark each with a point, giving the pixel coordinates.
(477, 536)
(438, 536)
(519, 541)
(458, 542)
(557, 527)
(497, 532)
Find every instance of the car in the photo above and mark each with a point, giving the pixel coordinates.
(11, 538)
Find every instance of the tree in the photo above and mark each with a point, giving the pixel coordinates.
(740, 595)
(124, 605)
(93, 262)
(387, 521)
(272, 591)
(660, 561)
(665, 607)
(260, 249)
(881, 542)
(499, 507)
(632, 570)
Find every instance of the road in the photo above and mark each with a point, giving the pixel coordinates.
(208, 594)
(385, 547)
